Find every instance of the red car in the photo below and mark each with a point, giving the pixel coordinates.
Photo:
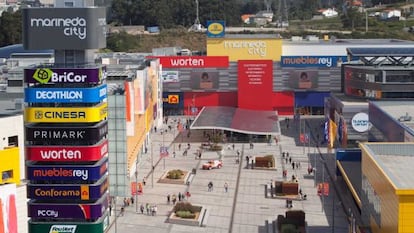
(212, 164)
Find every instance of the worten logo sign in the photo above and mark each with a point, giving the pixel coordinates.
(66, 115)
(68, 191)
(86, 133)
(65, 95)
(65, 75)
(67, 153)
(194, 61)
(67, 172)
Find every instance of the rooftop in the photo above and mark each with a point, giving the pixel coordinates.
(401, 110)
(396, 160)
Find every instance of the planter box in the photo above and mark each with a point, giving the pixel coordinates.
(197, 221)
(166, 180)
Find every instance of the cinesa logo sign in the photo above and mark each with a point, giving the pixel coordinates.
(70, 26)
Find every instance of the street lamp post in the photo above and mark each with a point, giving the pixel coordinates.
(136, 185)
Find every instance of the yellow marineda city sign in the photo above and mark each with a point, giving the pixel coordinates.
(66, 115)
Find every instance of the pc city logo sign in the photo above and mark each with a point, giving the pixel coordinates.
(62, 229)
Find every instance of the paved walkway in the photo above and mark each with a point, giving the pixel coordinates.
(244, 208)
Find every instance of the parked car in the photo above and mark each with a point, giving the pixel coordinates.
(212, 164)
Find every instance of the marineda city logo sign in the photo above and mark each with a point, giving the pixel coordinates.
(70, 26)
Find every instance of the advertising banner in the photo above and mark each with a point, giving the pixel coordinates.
(71, 173)
(204, 80)
(75, 212)
(64, 28)
(67, 153)
(52, 75)
(65, 95)
(70, 192)
(8, 211)
(194, 61)
(303, 79)
(312, 61)
(66, 115)
(86, 133)
(170, 76)
(216, 28)
(255, 84)
(99, 226)
(245, 49)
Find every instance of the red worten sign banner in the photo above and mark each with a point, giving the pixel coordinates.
(67, 153)
(194, 61)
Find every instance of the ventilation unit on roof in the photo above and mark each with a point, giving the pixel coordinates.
(405, 118)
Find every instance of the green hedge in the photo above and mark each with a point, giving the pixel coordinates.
(175, 174)
(185, 214)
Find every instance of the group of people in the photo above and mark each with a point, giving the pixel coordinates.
(210, 186)
(180, 197)
(149, 209)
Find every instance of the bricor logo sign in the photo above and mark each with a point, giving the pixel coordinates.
(44, 75)
(75, 27)
(62, 229)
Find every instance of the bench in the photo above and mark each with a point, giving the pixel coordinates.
(204, 220)
(190, 179)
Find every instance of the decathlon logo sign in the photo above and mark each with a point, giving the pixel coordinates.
(71, 27)
(62, 229)
(360, 122)
(53, 95)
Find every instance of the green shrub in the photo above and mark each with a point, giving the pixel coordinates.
(186, 206)
(216, 147)
(185, 214)
(175, 174)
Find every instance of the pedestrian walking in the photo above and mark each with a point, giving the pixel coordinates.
(233, 146)
(174, 154)
(144, 181)
(174, 199)
(179, 197)
(290, 160)
(141, 207)
(147, 207)
(122, 211)
(226, 187)
(154, 210)
(168, 198)
(132, 200)
(179, 146)
(188, 195)
(293, 166)
(210, 186)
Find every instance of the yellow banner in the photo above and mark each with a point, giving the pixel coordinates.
(66, 115)
(245, 49)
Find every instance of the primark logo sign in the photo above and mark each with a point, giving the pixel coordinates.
(71, 27)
